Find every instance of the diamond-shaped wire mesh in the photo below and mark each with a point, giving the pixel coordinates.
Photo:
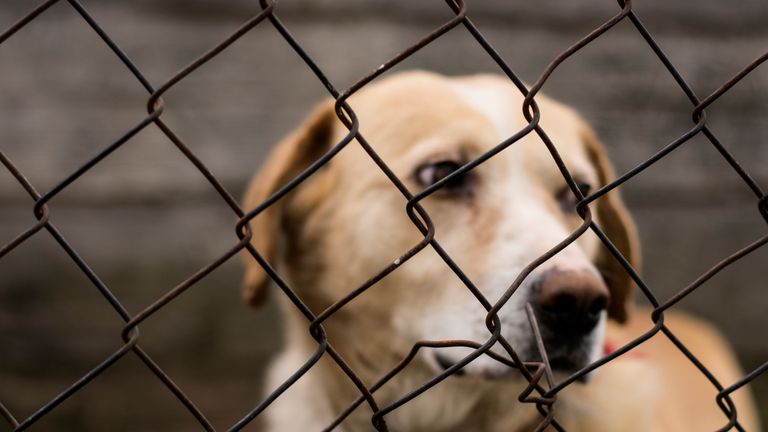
(540, 392)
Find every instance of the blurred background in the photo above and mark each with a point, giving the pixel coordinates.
(145, 219)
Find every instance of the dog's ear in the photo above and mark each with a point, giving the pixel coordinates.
(616, 222)
(291, 156)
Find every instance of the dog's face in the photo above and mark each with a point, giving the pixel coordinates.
(348, 222)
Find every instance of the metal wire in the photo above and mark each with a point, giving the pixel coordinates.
(543, 394)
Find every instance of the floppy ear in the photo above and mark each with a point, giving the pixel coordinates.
(617, 224)
(291, 156)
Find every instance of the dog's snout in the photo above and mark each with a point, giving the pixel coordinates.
(570, 302)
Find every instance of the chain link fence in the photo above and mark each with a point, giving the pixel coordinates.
(540, 392)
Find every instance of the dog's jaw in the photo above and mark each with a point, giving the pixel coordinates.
(567, 358)
(563, 360)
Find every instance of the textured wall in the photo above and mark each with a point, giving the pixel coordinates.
(145, 219)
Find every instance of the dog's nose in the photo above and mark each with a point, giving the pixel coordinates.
(570, 302)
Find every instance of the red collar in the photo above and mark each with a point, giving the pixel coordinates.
(609, 348)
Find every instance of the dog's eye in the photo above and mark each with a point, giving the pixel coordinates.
(568, 200)
(428, 174)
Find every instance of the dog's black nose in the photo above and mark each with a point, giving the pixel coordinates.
(570, 302)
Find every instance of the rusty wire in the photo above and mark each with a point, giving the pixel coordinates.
(542, 390)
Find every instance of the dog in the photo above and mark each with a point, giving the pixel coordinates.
(347, 222)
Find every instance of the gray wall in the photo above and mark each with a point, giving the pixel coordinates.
(144, 219)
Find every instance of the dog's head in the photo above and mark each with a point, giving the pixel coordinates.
(347, 222)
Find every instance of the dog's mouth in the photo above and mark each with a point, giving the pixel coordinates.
(446, 364)
(487, 370)
(564, 358)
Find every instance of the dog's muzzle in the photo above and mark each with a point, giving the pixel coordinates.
(569, 303)
(483, 367)
(568, 306)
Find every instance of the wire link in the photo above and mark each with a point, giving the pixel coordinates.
(542, 390)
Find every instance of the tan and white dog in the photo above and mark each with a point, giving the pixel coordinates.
(347, 222)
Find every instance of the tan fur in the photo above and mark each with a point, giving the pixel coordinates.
(347, 222)
(617, 224)
(655, 387)
(297, 151)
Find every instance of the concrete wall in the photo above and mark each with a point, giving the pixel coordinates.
(145, 219)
